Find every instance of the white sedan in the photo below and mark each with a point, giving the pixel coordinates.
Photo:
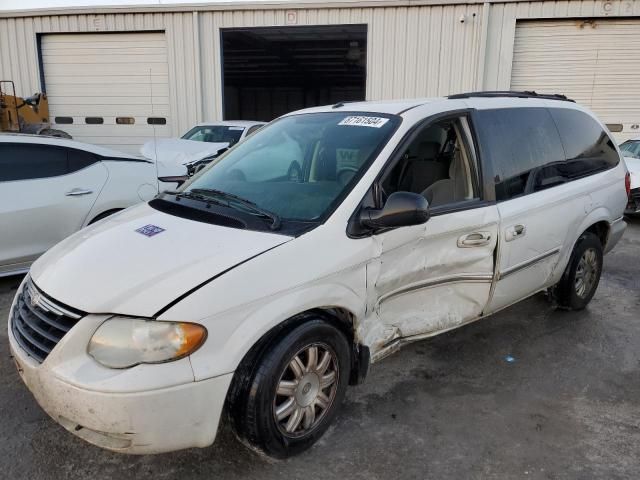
(52, 187)
(176, 157)
(631, 151)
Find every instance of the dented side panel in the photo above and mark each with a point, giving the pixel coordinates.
(425, 280)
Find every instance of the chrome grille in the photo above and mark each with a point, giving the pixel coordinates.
(38, 322)
(634, 201)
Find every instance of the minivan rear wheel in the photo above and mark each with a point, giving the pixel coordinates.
(295, 392)
(582, 275)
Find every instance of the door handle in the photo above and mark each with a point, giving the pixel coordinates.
(475, 239)
(515, 232)
(76, 192)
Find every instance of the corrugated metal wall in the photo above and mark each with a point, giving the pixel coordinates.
(502, 28)
(412, 51)
(19, 58)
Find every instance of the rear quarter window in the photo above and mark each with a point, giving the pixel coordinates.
(22, 161)
(79, 159)
(587, 146)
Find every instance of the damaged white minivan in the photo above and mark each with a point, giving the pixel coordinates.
(262, 288)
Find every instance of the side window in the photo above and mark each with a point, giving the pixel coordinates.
(438, 163)
(20, 161)
(589, 149)
(523, 145)
(79, 159)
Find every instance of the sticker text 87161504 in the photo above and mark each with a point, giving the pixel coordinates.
(364, 121)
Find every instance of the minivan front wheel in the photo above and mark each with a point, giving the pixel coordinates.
(296, 390)
(580, 280)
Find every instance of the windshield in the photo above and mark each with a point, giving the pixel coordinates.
(298, 166)
(215, 134)
(631, 149)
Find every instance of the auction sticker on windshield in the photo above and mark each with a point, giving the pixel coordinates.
(375, 122)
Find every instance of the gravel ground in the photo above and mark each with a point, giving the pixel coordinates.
(568, 406)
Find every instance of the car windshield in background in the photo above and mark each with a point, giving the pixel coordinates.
(631, 148)
(298, 166)
(214, 134)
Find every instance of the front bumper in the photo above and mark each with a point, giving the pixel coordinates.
(633, 207)
(615, 234)
(145, 409)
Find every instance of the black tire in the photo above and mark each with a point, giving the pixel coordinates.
(52, 132)
(254, 403)
(567, 293)
(106, 214)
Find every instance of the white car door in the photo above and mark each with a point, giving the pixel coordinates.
(46, 192)
(434, 277)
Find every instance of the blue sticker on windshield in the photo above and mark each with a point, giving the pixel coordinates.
(150, 230)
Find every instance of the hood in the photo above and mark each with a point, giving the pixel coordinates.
(172, 154)
(633, 165)
(110, 268)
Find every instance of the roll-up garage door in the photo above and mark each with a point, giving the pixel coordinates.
(595, 62)
(109, 89)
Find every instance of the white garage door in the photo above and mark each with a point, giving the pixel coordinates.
(595, 63)
(108, 89)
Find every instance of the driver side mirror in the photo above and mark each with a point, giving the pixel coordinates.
(401, 209)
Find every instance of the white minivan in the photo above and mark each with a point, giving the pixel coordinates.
(264, 296)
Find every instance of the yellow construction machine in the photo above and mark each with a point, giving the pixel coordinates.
(25, 115)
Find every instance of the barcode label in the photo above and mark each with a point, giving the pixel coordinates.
(375, 122)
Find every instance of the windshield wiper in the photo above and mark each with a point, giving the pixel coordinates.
(248, 204)
(196, 196)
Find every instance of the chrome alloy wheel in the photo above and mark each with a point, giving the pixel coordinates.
(306, 390)
(586, 273)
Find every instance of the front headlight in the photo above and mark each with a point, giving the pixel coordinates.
(123, 342)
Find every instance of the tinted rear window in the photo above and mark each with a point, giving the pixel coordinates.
(79, 159)
(21, 161)
(518, 141)
(588, 148)
(533, 149)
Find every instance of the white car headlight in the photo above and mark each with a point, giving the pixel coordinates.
(123, 342)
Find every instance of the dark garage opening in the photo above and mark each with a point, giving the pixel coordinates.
(273, 70)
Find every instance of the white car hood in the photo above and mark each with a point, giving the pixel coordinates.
(633, 165)
(172, 154)
(111, 268)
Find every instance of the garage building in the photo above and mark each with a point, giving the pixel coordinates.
(118, 76)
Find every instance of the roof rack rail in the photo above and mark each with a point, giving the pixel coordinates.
(509, 93)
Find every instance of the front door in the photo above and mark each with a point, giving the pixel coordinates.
(434, 277)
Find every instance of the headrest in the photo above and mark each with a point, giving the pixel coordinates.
(428, 150)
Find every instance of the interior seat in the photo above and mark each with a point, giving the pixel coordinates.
(423, 170)
(452, 189)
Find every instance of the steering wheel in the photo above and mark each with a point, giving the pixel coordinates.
(345, 174)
